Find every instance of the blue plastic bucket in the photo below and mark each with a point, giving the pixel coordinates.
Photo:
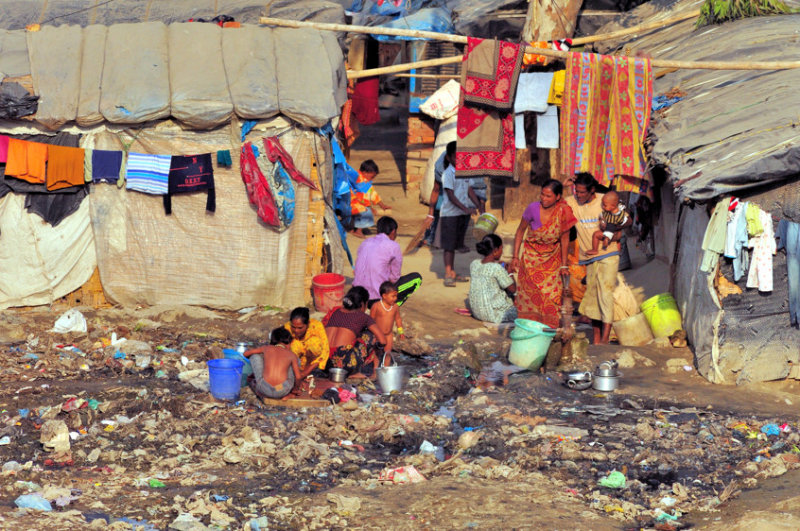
(224, 378)
(529, 344)
(233, 354)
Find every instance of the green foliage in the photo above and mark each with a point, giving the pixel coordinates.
(718, 11)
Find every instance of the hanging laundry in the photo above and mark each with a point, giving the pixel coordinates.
(789, 238)
(56, 207)
(365, 100)
(26, 160)
(714, 239)
(606, 112)
(191, 173)
(258, 191)
(736, 239)
(547, 128)
(763, 245)
(224, 158)
(4, 148)
(490, 73)
(529, 59)
(87, 165)
(485, 143)
(753, 216)
(248, 126)
(64, 167)
(275, 152)
(123, 170)
(556, 95)
(520, 141)
(532, 91)
(106, 165)
(148, 173)
(485, 128)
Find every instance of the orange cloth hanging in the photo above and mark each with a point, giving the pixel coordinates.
(26, 160)
(65, 167)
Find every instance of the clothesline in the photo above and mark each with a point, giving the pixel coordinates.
(662, 63)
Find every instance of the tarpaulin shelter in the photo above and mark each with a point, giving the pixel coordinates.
(177, 89)
(729, 135)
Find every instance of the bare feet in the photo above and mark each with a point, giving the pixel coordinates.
(591, 252)
(359, 234)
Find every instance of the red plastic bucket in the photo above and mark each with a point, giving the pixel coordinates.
(328, 291)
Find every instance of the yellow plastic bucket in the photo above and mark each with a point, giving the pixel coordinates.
(485, 224)
(661, 312)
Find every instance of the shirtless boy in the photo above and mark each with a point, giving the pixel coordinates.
(386, 314)
(275, 369)
(611, 221)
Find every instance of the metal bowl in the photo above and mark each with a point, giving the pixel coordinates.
(606, 383)
(607, 368)
(337, 375)
(578, 380)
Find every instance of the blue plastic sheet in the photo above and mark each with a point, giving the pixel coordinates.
(429, 19)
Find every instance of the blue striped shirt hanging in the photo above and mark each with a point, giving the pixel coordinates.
(148, 173)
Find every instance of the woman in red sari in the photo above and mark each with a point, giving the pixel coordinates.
(543, 234)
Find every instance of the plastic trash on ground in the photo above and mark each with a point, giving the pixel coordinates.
(70, 321)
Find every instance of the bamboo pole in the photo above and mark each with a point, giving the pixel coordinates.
(427, 76)
(356, 74)
(664, 63)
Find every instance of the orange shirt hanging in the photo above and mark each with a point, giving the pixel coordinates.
(65, 167)
(26, 160)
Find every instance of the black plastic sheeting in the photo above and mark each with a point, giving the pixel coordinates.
(16, 101)
(731, 132)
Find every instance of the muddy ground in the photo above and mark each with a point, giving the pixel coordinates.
(148, 449)
(534, 451)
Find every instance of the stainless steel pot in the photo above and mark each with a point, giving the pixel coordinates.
(606, 383)
(337, 375)
(607, 368)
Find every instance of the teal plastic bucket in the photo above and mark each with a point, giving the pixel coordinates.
(224, 378)
(529, 344)
(233, 354)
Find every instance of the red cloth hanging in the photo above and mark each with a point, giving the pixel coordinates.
(365, 101)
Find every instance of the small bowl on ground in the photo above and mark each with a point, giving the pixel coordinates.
(337, 375)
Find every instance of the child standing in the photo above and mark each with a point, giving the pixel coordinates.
(611, 221)
(364, 198)
(386, 314)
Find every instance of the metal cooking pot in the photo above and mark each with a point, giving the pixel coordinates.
(607, 368)
(606, 383)
(337, 375)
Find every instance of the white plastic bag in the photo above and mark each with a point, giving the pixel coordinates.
(70, 321)
(443, 103)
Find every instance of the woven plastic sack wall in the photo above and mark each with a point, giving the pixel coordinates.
(41, 263)
(140, 94)
(226, 260)
(14, 60)
(199, 89)
(55, 55)
(249, 59)
(94, 51)
(304, 94)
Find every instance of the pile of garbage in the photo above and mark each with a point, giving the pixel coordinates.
(113, 425)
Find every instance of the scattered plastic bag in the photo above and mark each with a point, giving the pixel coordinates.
(614, 480)
(770, 429)
(443, 103)
(401, 475)
(33, 501)
(70, 321)
(54, 436)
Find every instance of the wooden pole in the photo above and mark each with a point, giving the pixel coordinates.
(356, 74)
(427, 76)
(664, 63)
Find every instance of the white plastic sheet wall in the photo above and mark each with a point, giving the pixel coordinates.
(41, 263)
(55, 55)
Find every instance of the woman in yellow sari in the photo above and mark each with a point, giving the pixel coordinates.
(309, 341)
(543, 235)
